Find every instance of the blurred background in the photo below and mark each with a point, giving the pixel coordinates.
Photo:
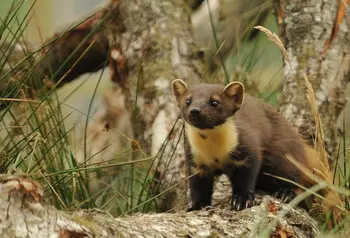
(45, 18)
(48, 15)
(254, 59)
(259, 58)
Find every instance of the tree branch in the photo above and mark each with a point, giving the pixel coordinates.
(26, 215)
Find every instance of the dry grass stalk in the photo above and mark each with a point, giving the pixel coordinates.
(274, 38)
(311, 98)
(319, 140)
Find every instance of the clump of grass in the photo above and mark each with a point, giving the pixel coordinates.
(34, 139)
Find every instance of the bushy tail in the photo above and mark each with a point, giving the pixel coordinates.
(318, 162)
(315, 172)
(321, 171)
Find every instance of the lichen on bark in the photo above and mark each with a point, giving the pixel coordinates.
(307, 29)
(159, 47)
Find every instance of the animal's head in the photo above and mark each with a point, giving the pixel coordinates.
(207, 105)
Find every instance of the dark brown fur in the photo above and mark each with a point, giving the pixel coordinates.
(265, 138)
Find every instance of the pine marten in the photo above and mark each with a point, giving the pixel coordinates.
(229, 132)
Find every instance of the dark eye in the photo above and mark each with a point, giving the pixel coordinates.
(214, 103)
(188, 102)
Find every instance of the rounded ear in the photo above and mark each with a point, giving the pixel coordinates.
(179, 88)
(235, 90)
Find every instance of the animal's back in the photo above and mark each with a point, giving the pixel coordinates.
(251, 119)
(263, 127)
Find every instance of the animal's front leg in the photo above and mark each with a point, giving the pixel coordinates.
(243, 183)
(201, 189)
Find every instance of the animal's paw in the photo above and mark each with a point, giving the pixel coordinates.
(241, 201)
(189, 209)
(196, 206)
(285, 194)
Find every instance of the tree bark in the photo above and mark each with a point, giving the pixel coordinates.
(25, 214)
(158, 46)
(316, 36)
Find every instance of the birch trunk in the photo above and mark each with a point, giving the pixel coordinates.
(316, 36)
(159, 47)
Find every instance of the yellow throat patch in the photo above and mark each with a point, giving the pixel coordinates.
(212, 147)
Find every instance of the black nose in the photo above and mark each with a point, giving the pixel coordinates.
(195, 111)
